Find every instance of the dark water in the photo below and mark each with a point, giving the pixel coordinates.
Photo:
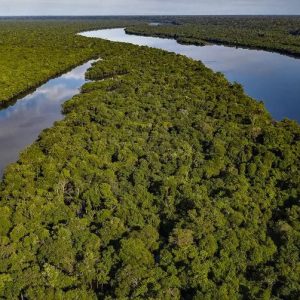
(21, 123)
(270, 77)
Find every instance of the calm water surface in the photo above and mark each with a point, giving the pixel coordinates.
(266, 76)
(21, 123)
(270, 77)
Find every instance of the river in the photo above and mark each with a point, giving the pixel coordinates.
(266, 76)
(21, 123)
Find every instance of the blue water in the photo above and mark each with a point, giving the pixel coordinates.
(269, 77)
(21, 123)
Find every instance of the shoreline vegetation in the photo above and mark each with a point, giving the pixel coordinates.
(185, 30)
(163, 181)
(278, 34)
(35, 50)
(200, 43)
(11, 101)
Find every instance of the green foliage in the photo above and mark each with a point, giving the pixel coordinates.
(31, 51)
(272, 33)
(162, 182)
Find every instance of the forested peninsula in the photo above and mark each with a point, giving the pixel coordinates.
(163, 181)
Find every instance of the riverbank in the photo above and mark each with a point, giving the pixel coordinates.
(265, 76)
(271, 33)
(51, 46)
(20, 95)
(22, 123)
(32, 51)
(209, 41)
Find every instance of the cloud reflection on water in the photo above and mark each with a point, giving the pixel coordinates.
(21, 123)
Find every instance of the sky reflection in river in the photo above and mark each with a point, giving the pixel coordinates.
(21, 123)
(266, 76)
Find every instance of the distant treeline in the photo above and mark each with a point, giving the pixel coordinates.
(272, 33)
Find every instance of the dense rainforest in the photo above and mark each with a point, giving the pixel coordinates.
(32, 51)
(273, 33)
(164, 181)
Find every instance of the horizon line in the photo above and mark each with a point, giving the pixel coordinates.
(142, 15)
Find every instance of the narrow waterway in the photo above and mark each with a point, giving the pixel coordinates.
(269, 77)
(21, 123)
